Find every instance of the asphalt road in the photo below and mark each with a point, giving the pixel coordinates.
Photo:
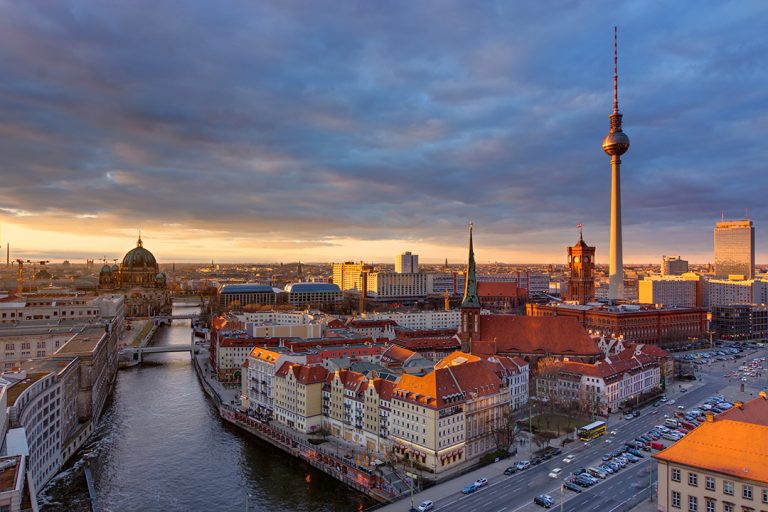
(619, 492)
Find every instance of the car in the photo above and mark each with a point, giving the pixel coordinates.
(663, 399)
(511, 470)
(544, 500)
(469, 489)
(568, 459)
(656, 404)
(636, 413)
(628, 416)
(621, 461)
(671, 402)
(613, 432)
(608, 469)
(680, 408)
(579, 480)
(631, 458)
(683, 390)
(547, 455)
(597, 473)
(555, 473)
(523, 464)
(614, 466)
(607, 457)
(426, 505)
(579, 471)
(481, 482)
(571, 486)
(636, 453)
(590, 478)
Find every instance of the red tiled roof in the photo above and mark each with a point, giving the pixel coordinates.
(607, 370)
(498, 289)
(437, 389)
(535, 335)
(309, 374)
(396, 354)
(445, 342)
(754, 411)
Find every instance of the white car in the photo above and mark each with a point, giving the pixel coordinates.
(569, 459)
(555, 473)
(425, 506)
(481, 482)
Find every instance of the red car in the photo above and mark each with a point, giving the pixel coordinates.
(657, 446)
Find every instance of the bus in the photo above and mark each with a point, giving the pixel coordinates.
(591, 431)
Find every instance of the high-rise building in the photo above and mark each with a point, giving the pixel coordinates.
(581, 262)
(735, 248)
(407, 263)
(673, 266)
(667, 290)
(348, 275)
(615, 144)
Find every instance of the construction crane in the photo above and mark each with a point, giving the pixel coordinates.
(20, 275)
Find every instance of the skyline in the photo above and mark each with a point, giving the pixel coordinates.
(373, 132)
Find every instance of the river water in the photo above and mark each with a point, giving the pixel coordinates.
(160, 445)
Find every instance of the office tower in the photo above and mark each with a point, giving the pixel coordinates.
(735, 249)
(581, 262)
(673, 266)
(615, 144)
(407, 263)
(348, 275)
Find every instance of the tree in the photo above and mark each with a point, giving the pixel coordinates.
(504, 431)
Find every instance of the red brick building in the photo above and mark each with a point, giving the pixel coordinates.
(637, 324)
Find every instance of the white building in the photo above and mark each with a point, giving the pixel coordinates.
(724, 292)
(263, 363)
(407, 263)
(667, 290)
(391, 285)
(421, 320)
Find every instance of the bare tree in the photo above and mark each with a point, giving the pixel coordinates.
(504, 431)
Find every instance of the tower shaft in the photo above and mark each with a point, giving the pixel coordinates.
(616, 262)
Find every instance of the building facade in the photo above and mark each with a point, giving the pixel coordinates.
(673, 266)
(407, 263)
(313, 295)
(581, 281)
(735, 249)
(668, 291)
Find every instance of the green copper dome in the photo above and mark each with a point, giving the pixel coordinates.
(139, 257)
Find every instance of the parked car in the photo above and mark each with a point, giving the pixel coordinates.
(607, 457)
(523, 464)
(481, 481)
(657, 446)
(469, 489)
(608, 469)
(511, 470)
(426, 505)
(597, 473)
(568, 484)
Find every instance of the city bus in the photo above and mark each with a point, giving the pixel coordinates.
(591, 431)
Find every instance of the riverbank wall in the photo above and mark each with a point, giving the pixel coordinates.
(372, 485)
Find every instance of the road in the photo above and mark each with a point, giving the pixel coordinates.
(617, 493)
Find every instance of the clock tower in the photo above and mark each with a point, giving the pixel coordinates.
(581, 262)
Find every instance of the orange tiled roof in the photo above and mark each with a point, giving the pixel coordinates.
(557, 335)
(724, 446)
(456, 358)
(396, 354)
(264, 354)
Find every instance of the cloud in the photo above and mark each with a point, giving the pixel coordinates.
(282, 125)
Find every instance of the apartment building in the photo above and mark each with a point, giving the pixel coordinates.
(667, 290)
(298, 401)
(422, 320)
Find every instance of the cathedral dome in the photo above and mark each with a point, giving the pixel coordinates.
(139, 258)
(106, 269)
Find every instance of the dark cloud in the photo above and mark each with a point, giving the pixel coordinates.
(393, 120)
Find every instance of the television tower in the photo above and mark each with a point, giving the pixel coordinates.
(615, 144)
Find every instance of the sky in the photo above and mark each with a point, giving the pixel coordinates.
(331, 130)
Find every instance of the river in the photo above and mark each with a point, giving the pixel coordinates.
(160, 445)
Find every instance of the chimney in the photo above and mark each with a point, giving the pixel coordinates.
(739, 404)
(763, 395)
(710, 417)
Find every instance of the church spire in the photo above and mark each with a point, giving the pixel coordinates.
(470, 299)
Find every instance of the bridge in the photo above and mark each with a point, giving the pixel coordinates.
(162, 319)
(137, 353)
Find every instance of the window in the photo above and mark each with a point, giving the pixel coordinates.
(765, 495)
(727, 507)
(675, 475)
(693, 479)
(727, 487)
(711, 505)
(693, 504)
(709, 483)
(675, 499)
(746, 492)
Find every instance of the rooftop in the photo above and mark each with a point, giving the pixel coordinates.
(8, 475)
(312, 287)
(723, 446)
(246, 288)
(83, 342)
(755, 411)
(15, 390)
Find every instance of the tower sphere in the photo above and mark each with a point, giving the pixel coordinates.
(616, 143)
